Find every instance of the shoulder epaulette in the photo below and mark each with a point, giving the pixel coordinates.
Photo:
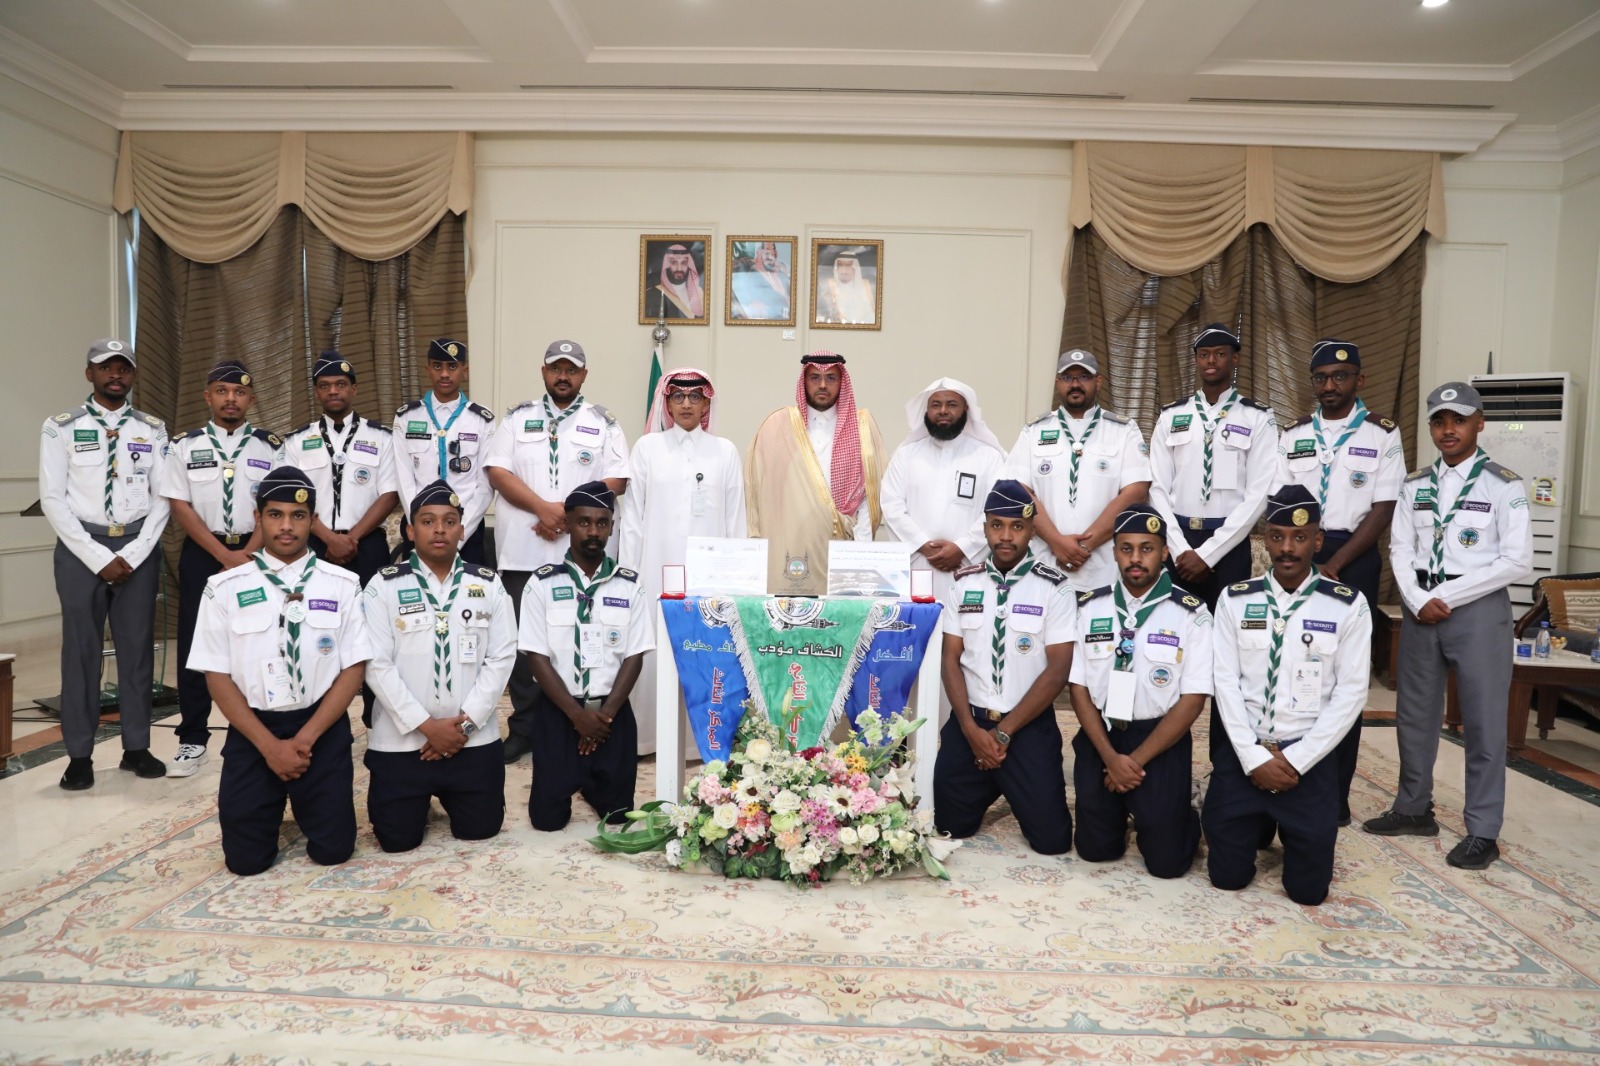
(397, 570)
(968, 571)
(150, 419)
(548, 570)
(610, 418)
(481, 411)
(1244, 588)
(1179, 402)
(1188, 601)
(1387, 423)
(1306, 421)
(1049, 573)
(267, 436)
(298, 430)
(485, 572)
(1495, 468)
(412, 406)
(1343, 593)
(513, 410)
(1094, 594)
(67, 416)
(625, 574)
(1112, 418)
(1047, 416)
(1259, 405)
(1415, 474)
(194, 433)
(373, 423)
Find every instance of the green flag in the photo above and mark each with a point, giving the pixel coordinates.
(805, 650)
(655, 378)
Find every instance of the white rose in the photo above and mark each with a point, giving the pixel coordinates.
(758, 750)
(674, 853)
(868, 834)
(810, 855)
(726, 815)
(785, 802)
(847, 836)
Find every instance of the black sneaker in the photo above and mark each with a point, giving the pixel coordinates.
(1392, 823)
(143, 763)
(1473, 853)
(516, 747)
(79, 775)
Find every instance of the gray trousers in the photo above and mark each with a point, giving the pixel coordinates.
(86, 602)
(1474, 642)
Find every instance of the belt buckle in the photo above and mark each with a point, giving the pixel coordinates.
(115, 529)
(230, 539)
(1118, 723)
(994, 715)
(1271, 745)
(1197, 524)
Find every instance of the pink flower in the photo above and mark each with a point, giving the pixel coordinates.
(864, 802)
(711, 792)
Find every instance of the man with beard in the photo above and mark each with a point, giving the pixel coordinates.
(1141, 674)
(847, 297)
(1353, 462)
(761, 288)
(681, 294)
(542, 450)
(1463, 534)
(210, 480)
(441, 437)
(812, 476)
(1293, 654)
(1085, 466)
(96, 465)
(1008, 631)
(586, 627)
(1214, 459)
(937, 480)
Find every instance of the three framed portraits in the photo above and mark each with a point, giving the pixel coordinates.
(846, 282)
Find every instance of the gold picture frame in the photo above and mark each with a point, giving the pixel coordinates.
(758, 285)
(661, 297)
(846, 302)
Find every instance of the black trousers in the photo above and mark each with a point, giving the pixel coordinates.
(86, 602)
(1230, 569)
(604, 778)
(471, 786)
(1165, 824)
(1031, 779)
(251, 797)
(1307, 817)
(195, 567)
(524, 689)
(1362, 574)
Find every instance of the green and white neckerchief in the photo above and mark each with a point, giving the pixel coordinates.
(552, 422)
(112, 433)
(441, 432)
(586, 590)
(1440, 525)
(1076, 449)
(227, 462)
(1129, 623)
(1279, 624)
(292, 614)
(1208, 424)
(1004, 583)
(339, 456)
(1358, 415)
(441, 621)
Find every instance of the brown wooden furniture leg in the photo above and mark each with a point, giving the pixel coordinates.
(1521, 696)
(1549, 697)
(5, 711)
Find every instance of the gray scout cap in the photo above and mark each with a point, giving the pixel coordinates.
(1077, 357)
(110, 348)
(1455, 396)
(571, 351)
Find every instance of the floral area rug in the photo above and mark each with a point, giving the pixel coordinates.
(536, 948)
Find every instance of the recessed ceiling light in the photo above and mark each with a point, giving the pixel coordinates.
(1434, 3)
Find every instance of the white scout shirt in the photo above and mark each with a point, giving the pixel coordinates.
(357, 457)
(1039, 611)
(1171, 650)
(586, 630)
(552, 450)
(821, 426)
(407, 670)
(1364, 466)
(935, 490)
(203, 464)
(465, 428)
(1487, 541)
(1113, 457)
(243, 631)
(76, 466)
(1324, 668)
(1244, 469)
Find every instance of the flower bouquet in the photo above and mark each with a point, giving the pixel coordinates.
(799, 816)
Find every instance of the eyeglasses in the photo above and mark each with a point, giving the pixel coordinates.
(685, 395)
(1338, 377)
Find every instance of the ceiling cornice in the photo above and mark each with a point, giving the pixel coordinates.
(1544, 144)
(23, 61)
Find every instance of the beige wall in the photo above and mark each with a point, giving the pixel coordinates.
(1575, 340)
(62, 284)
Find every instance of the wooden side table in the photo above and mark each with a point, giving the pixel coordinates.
(1532, 680)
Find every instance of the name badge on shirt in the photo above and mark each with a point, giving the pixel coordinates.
(1119, 696)
(966, 486)
(275, 678)
(137, 488)
(1306, 685)
(467, 647)
(591, 645)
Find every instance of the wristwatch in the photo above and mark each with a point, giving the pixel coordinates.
(468, 728)
(1001, 737)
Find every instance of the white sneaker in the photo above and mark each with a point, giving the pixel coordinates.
(190, 758)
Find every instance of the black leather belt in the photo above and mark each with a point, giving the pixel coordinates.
(1429, 583)
(1198, 524)
(113, 529)
(231, 539)
(1276, 746)
(985, 714)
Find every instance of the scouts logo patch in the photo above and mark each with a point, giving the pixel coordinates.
(324, 645)
(1358, 478)
(1160, 676)
(1044, 466)
(613, 638)
(1468, 537)
(1025, 644)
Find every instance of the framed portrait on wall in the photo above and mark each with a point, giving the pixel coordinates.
(847, 289)
(672, 278)
(760, 289)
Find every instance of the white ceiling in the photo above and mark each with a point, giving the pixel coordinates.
(1522, 74)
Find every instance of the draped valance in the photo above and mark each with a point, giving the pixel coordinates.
(1343, 214)
(210, 196)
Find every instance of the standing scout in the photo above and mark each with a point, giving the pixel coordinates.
(96, 463)
(1293, 660)
(542, 451)
(1353, 462)
(586, 628)
(440, 437)
(210, 480)
(1214, 458)
(1008, 632)
(443, 638)
(1141, 674)
(1461, 535)
(282, 643)
(350, 462)
(1085, 465)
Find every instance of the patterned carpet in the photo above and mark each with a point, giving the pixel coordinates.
(535, 948)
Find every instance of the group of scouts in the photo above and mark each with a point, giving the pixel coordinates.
(1084, 560)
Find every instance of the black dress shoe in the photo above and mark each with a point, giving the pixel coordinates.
(141, 762)
(517, 746)
(1473, 853)
(1391, 823)
(79, 775)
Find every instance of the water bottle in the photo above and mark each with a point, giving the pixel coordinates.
(1594, 652)
(1541, 643)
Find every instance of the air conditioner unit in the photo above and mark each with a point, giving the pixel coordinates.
(1528, 427)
